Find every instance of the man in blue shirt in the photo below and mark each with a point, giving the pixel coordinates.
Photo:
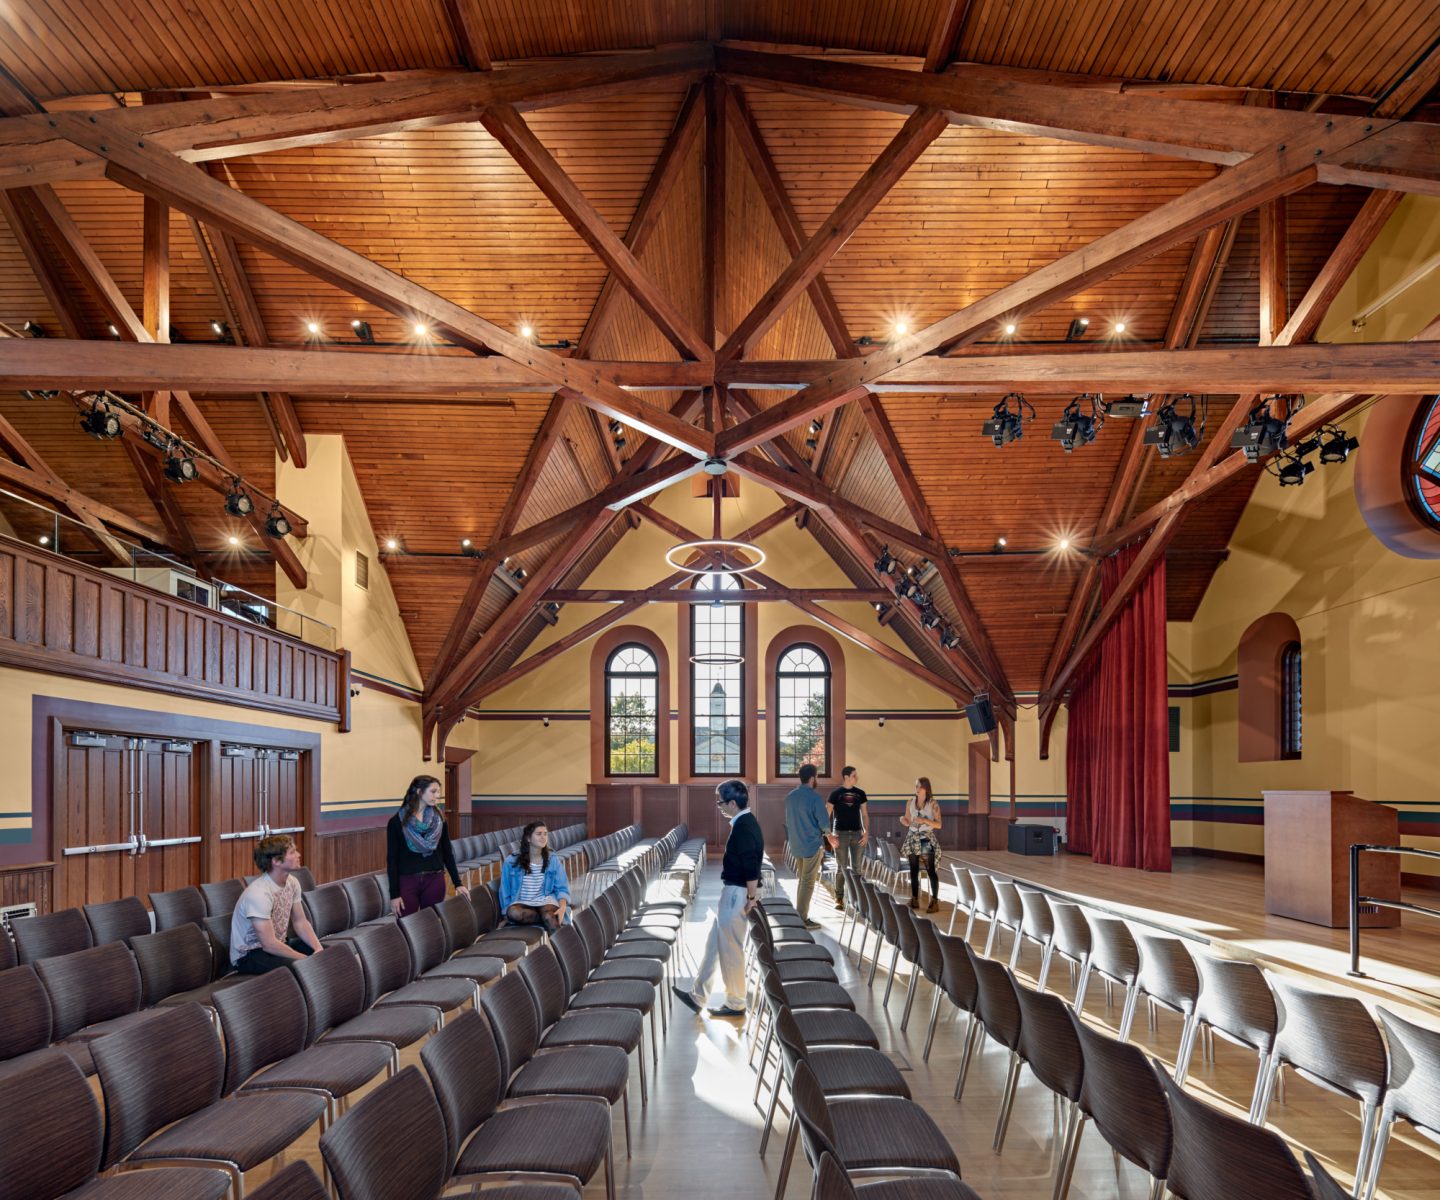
(806, 822)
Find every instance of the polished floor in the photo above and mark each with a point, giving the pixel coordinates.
(700, 1134)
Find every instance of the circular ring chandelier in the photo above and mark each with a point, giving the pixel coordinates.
(717, 658)
(716, 546)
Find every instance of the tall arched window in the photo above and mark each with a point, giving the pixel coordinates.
(1290, 701)
(802, 717)
(632, 712)
(717, 682)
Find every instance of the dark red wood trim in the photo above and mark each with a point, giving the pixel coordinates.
(828, 645)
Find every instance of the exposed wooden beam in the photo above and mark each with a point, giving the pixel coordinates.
(14, 207)
(679, 595)
(33, 152)
(546, 437)
(919, 130)
(156, 173)
(945, 34)
(1417, 83)
(713, 255)
(1284, 168)
(52, 487)
(1274, 271)
(468, 26)
(507, 127)
(1004, 99)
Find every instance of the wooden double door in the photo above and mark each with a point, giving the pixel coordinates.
(258, 792)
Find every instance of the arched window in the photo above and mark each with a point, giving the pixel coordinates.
(632, 711)
(802, 716)
(1290, 701)
(717, 682)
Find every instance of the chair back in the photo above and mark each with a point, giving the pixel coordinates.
(1220, 1157)
(513, 1020)
(179, 907)
(384, 959)
(50, 1135)
(1167, 971)
(964, 886)
(90, 986)
(426, 937)
(1413, 1080)
(1113, 952)
(485, 909)
(367, 898)
(51, 935)
(464, 1069)
(264, 1020)
(1072, 930)
(1048, 1041)
(1009, 909)
(987, 900)
(540, 970)
(926, 935)
(1037, 924)
(28, 1017)
(1324, 1184)
(333, 984)
(592, 931)
(457, 919)
(1331, 1039)
(217, 929)
(908, 939)
(1125, 1099)
(574, 959)
(305, 878)
(173, 960)
(222, 897)
(156, 1072)
(997, 1007)
(1236, 1000)
(8, 957)
(298, 1181)
(817, 1130)
(957, 976)
(391, 1144)
(329, 910)
(117, 920)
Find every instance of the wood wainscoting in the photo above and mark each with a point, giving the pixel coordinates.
(348, 852)
(34, 884)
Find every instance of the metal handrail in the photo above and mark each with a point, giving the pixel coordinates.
(1356, 899)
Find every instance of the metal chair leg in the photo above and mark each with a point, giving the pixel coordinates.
(909, 998)
(1007, 1100)
(791, 1139)
(1187, 1049)
(770, 1116)
(1045, 957)
(1074, 1126)
(934, 1017)
(973, 1034)
(894, 962)
(1127, 1014)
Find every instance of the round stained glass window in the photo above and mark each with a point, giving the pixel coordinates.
(1423, 455)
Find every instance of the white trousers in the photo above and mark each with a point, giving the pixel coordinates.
(725, 947)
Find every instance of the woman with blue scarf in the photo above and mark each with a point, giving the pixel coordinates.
(418, 854)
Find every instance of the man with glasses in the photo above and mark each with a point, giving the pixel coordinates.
(739, 894)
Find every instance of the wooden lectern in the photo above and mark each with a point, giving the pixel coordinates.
(1307, 857)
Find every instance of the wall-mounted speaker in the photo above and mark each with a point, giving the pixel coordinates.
(982, 716)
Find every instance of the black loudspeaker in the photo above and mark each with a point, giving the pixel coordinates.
(982, 716)
(1031, 839)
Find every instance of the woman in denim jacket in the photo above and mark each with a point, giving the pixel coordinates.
(533, 888)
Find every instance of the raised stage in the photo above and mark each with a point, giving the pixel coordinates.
(1222, 902)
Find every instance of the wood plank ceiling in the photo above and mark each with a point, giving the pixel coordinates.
(448, 208)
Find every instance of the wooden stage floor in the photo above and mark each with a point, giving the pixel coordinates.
(1222, 902)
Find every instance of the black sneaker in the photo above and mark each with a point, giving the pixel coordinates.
(809, 924)
(726, 1012)
(686, 999)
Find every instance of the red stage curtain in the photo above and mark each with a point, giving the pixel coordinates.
(1117, 742)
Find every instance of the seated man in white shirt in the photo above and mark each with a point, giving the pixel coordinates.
(261, 936)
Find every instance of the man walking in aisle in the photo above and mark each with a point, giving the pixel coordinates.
(806, 820)
(739, 894)
(849, 827)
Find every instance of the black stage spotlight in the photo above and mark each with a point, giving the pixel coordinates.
(33, 329)
(1130, 408)
(179, 466)
(1005, 424)
(930, 619)
(885, 564)
(237, 501)
(1174, 433)
(1076, 427)
(101, 424)
(949, 638)
(1292, 470)
(362, 330)
(1079, 327)
(1262, 432)
(222, 332)
(1337, 444)
(277, 524)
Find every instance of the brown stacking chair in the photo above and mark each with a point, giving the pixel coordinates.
(217, 929)
(884, 1135)
(1332, 1041)
(1126, 1101)
(117, 920)
(93, 993)
(907, 946)
(791, 969)
(1412, 1087)
(298, 1181)
(1168, 977)
(1049, 1045)
(222, 897)
(1325, 1185)
(882, 907)
(385, 960)
(928, 964)
(1220, 1157)
(267, 1046)
(457, 919)
(334, 987)
(368, 901)
(1115, 958)
(602, 1071)
(426, 937)
(957, 982)
(490, 923)
(997, 1013)
(177, 967)
(162, 1084)
(484, 1140)
(820, 1007)
(51, 935)
(50, 1144)
(180, 907)
(585, 991)
(328, 908)
(832, 1182)
(25, 1029)
(8, 957)
(620, 1027)
(391, 1144)
(305, 878)
(1236, 1002)
(1072, 941)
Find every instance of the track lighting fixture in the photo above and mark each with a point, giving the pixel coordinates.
(1007, 424)
(1128, 408)
(1336, 444)
(1076, 427)
(238, 502)
(949, 639)
(999, 546)
(115, 333)
(277, 525)
(362, 330)
(1262, 432)
(1175, 431)
(100, 423)
(615, 426)
(930, 619)
(1079, 327)
(221, 330)
(812, 443)
(886, 565)
(816, 425)
(1292, 469)
(33, 329)
(179, 466)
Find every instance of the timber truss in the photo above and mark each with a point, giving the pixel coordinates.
(171, 148)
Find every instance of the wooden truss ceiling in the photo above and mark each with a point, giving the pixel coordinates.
(729, 210)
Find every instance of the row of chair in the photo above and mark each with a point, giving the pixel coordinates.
(478, 856)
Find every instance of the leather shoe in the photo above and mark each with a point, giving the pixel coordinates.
(686, 999)
(726, 1012)
(809, 924)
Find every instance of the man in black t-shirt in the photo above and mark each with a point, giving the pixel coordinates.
(849, 828)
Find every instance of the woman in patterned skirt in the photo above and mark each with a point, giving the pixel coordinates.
(922, 841)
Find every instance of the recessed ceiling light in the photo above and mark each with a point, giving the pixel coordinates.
(392, 544)
(902, 327)
(1001, 541)
(1119, 326)
(526, 331)
(1063, 543)
(464, 541)
(312, 327)
(421, 330)
(233, 540)
(44, 539)
(1084, 320)
(1009, 330)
